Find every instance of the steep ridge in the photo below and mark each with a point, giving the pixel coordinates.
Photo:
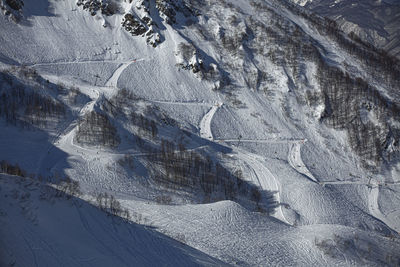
(375, 22)
(58, 230)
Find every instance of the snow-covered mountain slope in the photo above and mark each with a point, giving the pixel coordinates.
(253, 131)
(375, 22)
(41, 226)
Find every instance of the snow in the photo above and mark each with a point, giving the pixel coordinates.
(205, 123)
(295, 160)
(307, 168)
(40, 229)
(113, 81)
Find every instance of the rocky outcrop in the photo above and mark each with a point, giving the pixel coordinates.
(169, 9)
(15, 4)
(189, 58)
(107, 8)
(133, 25)
(12, 8)
(144, 27)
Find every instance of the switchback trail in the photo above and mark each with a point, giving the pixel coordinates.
(205, 123)
(182, 103)
(113, 81)
(373, 205)
(66, 128)
(82, 62)
(266, 141)
(295, 160)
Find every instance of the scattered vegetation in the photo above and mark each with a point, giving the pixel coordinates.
(11, 169)
(168, 9)
(180, 170)
(96, 129)
(361, 249)
(344, 94)
(110, 205)
(68, 188)
(23, 106)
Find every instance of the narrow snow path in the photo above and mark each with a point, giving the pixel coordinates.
(113, 81)
(295, 160)
(68, 127)
(373, 205)
(373, 200)
(182, 103)
(65, 130)
(80, 62)
(266, 141)
(358, 183)
(205, 123)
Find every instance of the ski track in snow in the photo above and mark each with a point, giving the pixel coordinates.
(113, 81)
(205, 123)
(69, 125)
(295, 160)
(373, 199)
(357, 182)
(82, 62)
(264, 177)
(373, 205)
(182, 103)
(262, 141)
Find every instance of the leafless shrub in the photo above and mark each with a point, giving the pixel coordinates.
(11, 169)
(164, 200)
(96, 129)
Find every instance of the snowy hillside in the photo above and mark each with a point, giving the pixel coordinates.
(238, 132)
(376, 22)
(43, 227)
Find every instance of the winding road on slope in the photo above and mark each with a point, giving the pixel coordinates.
(261, 141)
(113, 81)
(181, 103)
(68, 128)
(294, 155)
(81, 62)
(263, 176)
(373, 199)
(373, 205)
(205, 123)
(295, 160)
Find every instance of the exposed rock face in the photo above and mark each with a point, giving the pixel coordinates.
(144, 27)
(12, 8)
(107, 8)
(360, 98)
(188, 57)
(15, 4)
(139, 20)
(133, 25)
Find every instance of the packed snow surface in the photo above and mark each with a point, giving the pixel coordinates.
(316, 204)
